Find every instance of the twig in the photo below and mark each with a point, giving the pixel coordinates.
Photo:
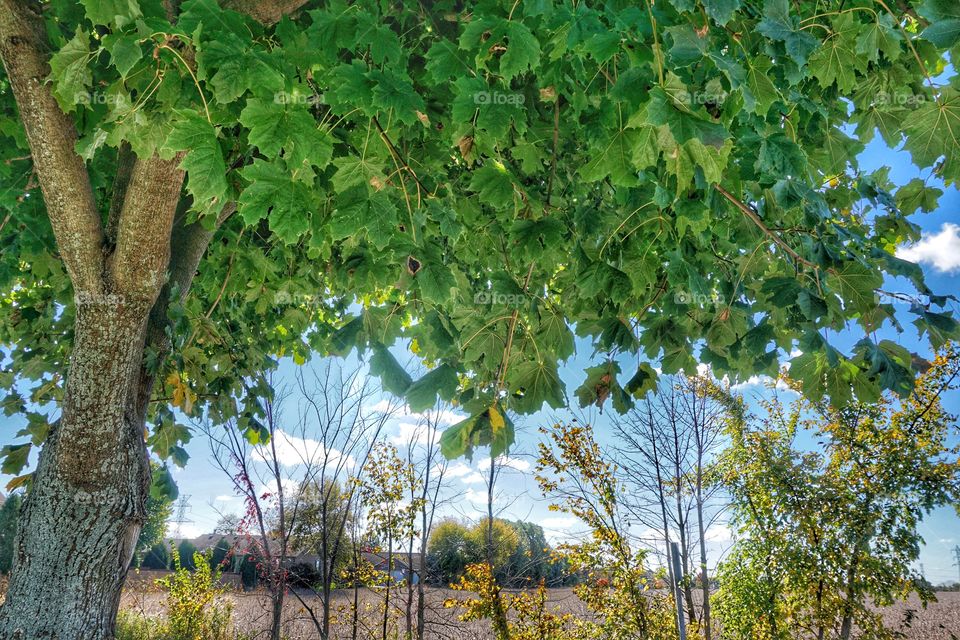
(752, 215)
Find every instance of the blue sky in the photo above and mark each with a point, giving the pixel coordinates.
(517, 496)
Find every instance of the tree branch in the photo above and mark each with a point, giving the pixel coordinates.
(138, 266)
(752, 215)
(52, 136)
(265, 12)
(188, 244)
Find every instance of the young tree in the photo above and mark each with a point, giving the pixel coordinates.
(667, 445)
(391, 515)
(826, 535)
(179, 194)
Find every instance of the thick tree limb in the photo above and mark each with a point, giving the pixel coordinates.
(125, 161)
(52, 136)
(188, 244)
(265, 12)
(138, 266)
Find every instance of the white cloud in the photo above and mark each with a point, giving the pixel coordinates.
(292, 451)
(514, 463)
(414, 433)
(941, 250)
(480, 497)
(459, 470)
(718, 533)
(759, 382)
(225, 498)
(473, 478)
(402, 413)
(559, 523)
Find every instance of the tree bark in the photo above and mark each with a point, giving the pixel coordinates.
(88, 500)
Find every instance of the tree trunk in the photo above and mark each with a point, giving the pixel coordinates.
(87, 503)
(704, 576)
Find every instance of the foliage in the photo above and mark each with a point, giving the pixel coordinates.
(157, 557)
(661, 177)
(823, 536)
(9, 517)
(572, 469)
(159, 510)
(193, 609)
(323, 514)
(185, 553)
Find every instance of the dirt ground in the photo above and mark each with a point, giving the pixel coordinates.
(939, 621)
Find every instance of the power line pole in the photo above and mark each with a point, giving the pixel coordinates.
(956, 554)
(182, 506)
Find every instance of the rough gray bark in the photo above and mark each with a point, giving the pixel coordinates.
(88, 501)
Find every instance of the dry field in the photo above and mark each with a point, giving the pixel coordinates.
(939, 621)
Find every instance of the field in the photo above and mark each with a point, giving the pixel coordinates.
(939, 621)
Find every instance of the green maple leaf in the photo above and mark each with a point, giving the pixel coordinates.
(167, 437)
(917, 196)
(436, 283)
(880, 36)
(534, 382)
(125, 52)
(69, 72)
(857, 285)
(289, 126)
(357, 209)
(273, 194)
(490, 427)
(203, 159)
(112, 12)
(392, 92)
(760, 92)
(614, 157)
(683, 123)
(837, 60)
(393, 377)
(779, 25)
(523, 51)
(493, 184)
(721, 10)
(422, 394)
(933, 131)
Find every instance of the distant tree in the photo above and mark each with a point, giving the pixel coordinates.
(228, 524)
(157, 557)
(187, 549)
(9, 517)
(322, 516)
(530, 561)
(826, 536)
(220, 554)
(448, 551)
(159, 510)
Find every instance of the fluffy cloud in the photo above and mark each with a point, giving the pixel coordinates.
(293, 451)
(516, 464)
(940, 250)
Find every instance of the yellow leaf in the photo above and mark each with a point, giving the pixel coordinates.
(496, 419)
